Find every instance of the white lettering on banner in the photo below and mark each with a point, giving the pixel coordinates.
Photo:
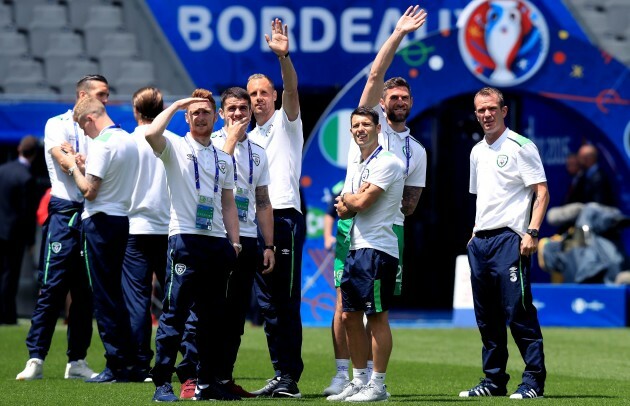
(354, 28)
(249, 29)
(267, 15)
(307, 17)
(348, 19)
(193, 23)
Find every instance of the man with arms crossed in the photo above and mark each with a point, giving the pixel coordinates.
(508, 177)
(280, 133)
(393, 101)
(369, 276)
(200, 179)
(63, 268)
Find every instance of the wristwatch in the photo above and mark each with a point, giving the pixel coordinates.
(71, 170)
(270, 247)
(238, 246)
(533, 232)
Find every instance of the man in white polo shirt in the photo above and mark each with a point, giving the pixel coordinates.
(392, 99)
(63, 267)
(107, 189)
(251, 176)
(149, 216)
(280, 133)
(369, 276)
(200, 178)
(507, 175)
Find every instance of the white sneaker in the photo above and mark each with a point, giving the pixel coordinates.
(34, 370)
(370, 393)
(78, 370)
(337, 384)
(353, 387)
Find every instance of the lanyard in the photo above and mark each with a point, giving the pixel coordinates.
(76, 138)
(196, 166)
(374, 154)
(251, 161)
(407, 152)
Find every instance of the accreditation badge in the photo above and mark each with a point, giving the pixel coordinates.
(205, 212)
(242, 204)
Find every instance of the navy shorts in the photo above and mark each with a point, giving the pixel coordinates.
(368, 281)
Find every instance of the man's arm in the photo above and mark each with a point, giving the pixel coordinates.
(363, 199)
(89, 185)
(410, 198)
(408, 22)
(279, 44)
(230, 215)
(264, 214)
(541, 201)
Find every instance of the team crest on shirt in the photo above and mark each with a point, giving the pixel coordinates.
(365, 175)
(222, 166)
(55, 247)
(513, 277)
(180, 269)
(404, 150)
(256, 159)
(502, 160)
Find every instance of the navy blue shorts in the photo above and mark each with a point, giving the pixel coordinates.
(368, 281)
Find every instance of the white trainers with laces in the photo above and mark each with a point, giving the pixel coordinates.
(370, 393)
(34, 370)
(78, 369)
(337, 384)
(353, 387)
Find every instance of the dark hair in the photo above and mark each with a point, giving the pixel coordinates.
(205, 94)
(367, 112)
(237, 93)
(84, 82)
(28, 146)
(396, 82)
(491, 91)
(148, 102)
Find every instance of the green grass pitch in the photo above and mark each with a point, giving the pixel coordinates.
(427, 367)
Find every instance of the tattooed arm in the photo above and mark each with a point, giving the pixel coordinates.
(264, 214)
(410, 198)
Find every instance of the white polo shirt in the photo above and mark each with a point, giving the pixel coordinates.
(251, 171)
(60, 129)
(178, 158)
(113, 158)
(372, 228)
(406, 148)
(150, 205)
(283, 141)
(501, 175)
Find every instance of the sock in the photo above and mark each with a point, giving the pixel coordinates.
(379, 379)
(343, 365)
(370, 367)
(361, 374)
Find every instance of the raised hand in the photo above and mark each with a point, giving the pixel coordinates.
(413, 19)
(279, 40)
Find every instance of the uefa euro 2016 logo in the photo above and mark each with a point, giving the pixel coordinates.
(503, 42)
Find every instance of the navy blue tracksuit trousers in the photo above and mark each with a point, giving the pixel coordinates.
(105, 241)
(502, 296)
(279, 294)
(62, 270)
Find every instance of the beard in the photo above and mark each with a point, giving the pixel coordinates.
(397, 117)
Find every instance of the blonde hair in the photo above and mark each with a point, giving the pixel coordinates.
(85, 106)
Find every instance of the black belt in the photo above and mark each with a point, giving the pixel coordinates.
(492, 233)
